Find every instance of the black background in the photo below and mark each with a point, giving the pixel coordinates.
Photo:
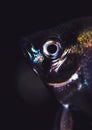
(22, 106)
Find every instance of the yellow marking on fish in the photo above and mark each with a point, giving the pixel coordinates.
(85, 39)
(76, 49)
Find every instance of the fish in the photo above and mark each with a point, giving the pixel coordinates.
(62, 58)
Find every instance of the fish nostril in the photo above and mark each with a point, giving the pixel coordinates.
(52, 48)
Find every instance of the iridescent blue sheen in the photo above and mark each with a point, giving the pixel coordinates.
(36, 56)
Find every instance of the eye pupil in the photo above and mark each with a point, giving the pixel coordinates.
(52, 48)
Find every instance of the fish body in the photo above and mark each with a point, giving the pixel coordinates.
(62, 57)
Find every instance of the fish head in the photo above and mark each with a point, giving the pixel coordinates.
(56, 56)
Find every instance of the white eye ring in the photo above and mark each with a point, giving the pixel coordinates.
(51, 48)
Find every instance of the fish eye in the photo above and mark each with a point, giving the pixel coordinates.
(51, 49)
